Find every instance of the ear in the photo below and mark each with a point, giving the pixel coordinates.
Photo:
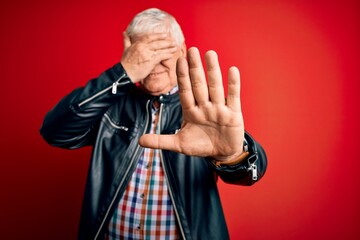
(127, 41)
(183, 50)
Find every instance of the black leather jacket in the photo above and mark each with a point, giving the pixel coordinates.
(111, 114)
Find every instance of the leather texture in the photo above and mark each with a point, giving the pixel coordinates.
(112, 124)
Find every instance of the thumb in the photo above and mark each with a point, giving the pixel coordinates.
(127, 41)
(165, 142)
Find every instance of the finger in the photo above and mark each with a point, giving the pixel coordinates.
(165, 142)
(163, 54)
(127, 42)
(150, 38)
(197, 77)
(162, 44)
(216, 89)
(233, 97)
(185, 91)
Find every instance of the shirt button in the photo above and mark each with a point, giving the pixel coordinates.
(142, 195)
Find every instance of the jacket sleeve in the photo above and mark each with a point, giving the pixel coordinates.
(248, 171)
(73, 122)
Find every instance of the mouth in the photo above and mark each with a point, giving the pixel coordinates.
(155, 74)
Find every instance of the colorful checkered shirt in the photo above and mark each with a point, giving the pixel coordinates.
(145, 211)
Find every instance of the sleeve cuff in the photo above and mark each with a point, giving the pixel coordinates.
(231, 162)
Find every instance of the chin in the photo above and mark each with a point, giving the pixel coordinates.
(157, 84)
(154, 90)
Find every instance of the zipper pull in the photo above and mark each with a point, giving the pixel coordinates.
(253, 169)
(114, 87)
(116, 83)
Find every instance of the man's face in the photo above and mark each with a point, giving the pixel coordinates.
(163, 77)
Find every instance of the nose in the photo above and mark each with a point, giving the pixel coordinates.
(158, 68)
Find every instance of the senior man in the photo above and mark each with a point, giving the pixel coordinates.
(161, 136)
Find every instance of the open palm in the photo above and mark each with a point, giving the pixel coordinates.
(212, 126)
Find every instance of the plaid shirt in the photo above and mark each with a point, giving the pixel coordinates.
(145, 211)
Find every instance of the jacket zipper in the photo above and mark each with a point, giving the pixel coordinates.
(253, 167)
(167, 179)
(113, 87)
(114, 125)
(134, 156)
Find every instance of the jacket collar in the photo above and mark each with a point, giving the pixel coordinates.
(163, 98)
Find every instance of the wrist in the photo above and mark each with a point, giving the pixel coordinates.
(128, 71)
(231, 161)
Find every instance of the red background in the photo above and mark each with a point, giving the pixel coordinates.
(299, 62)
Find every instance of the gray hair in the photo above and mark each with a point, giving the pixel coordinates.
(154, 20)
